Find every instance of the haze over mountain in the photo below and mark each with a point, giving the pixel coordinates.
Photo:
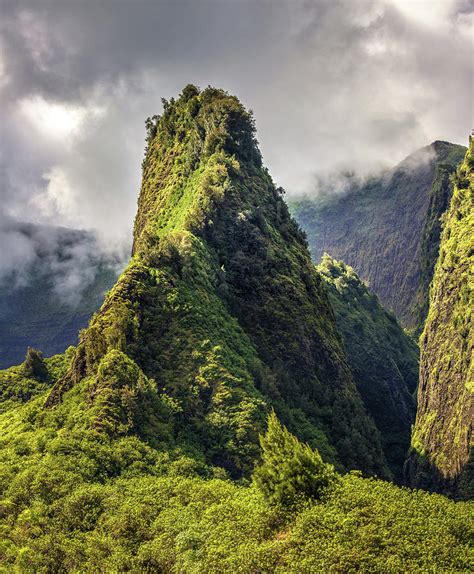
(388, 227)
(328, 81)
(51, 282)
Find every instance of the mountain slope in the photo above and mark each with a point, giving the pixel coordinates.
(383, 359)
(442, 437)
(56, 292)
(388, 228)
(220, 304)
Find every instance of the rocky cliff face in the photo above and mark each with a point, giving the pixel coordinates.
(442, 437)
(220, 310)
(388, 228)
(383, 359)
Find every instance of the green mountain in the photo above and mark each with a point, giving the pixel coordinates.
(442, 437)
(135, 450)
(221, 305)
(388, 228)
(383, 359)
(57, 293)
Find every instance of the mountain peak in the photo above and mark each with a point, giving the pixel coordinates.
(202, 133)
(221, 309)
(366, 228)
(448, 152)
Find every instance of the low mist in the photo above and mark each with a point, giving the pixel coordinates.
(69, 260)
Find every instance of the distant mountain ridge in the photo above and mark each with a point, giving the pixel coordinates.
(388, 228)
(47, 299)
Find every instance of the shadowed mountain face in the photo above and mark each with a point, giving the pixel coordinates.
(221, 305)
(53, 290)
(383, 359)
(388, 228)
(441, 455)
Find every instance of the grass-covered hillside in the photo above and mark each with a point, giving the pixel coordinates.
(383, 359)
(442, 437)
(51, 294)
(388, 228)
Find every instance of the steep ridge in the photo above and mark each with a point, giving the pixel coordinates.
(221, 305)
(383, 359)
(58, 290)
(441, 455)
(388, 228)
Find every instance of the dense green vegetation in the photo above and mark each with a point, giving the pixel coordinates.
(383, 359)
(441, 191)
(221, 309)
(388, 228)
(143, 448)
(442, 443)
(74, 499)
(291, 472)
(42, 308)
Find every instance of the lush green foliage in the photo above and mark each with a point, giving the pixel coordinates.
(22, 383)
(441, 191)
(387, 228)
(442, 437)
(383, 359)
(291, 471)
(74, 499)
(34, 366)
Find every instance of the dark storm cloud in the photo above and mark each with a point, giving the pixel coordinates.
(334, 85)
(64, 47)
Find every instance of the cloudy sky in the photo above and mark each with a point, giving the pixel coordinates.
(334, 84)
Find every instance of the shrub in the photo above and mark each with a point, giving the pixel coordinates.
(291, 471)
(34, 365)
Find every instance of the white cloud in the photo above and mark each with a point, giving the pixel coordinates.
(430, 13)
(59, 199)
(17, 254)
(334, 84)
(70, 260)
(53, 120)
